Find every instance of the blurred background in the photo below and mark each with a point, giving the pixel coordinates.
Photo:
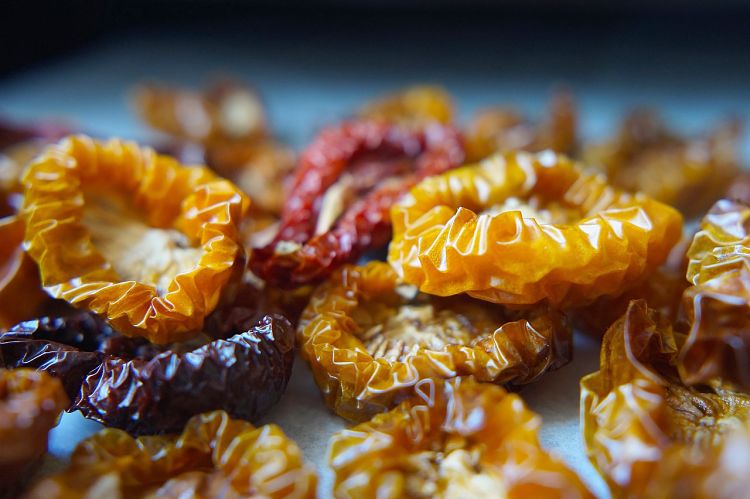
(315, 61)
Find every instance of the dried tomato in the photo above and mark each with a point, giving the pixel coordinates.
(225, 111)
(133, 235)
(718, 303)
(457, 438)
(21, 294)
(413, 106)
(140, 387)
(520, 228)
(688, 173)
(649, 434)
(662, 290)
(227, 122)
(338, 206)
(502, 129)
(215, 456)
(739, 189)
(30, 403)
(370, 340)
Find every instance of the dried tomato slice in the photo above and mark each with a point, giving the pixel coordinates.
(663, 291)
(132, 235)
(650, 435)
(30, 403)
(338, 206)
(718, 303)
(370, 339)
(501, 129)
(520, 228)
(21, 294)
(457, 438)
(688, 173)
(227, 121)
(140, 387)
(215, 456)
(225, 111)
(414, 106)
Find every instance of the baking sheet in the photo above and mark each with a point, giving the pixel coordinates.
(309, 83)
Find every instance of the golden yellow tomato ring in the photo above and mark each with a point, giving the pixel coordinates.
(356, 384)
(192, 200)
(611, 240)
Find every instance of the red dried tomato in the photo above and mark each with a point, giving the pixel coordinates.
(338, 205)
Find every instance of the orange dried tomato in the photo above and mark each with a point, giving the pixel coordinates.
(650, 435)
(215, 456)
(502, 129)
(457, 438)
(688, 173)
(132, 235)
(21, 294)
(30, 403)
(718, 303)
(413, 106)
(371, 339)
(521, 228)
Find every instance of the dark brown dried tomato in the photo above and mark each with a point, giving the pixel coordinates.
(30, 403)
(140, 387)
(339, 203)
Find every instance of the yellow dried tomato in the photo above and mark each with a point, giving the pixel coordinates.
(370, 340)
(647, 433)
(688, 173)
(501, 129)
(457, 438)
(215, 456)
(718, 303)
(519, 228)
(30, 403)
(132, 235)
(413, 106)
(21, 294)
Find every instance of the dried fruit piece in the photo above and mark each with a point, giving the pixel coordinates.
(215, 456)
(226, 111)
(339, 203)
(519, 228)
(132, 235)
(502, 129)
(414, 106)
(718, 303)
(662, 290)
(688, 173)
(21, 294)
(457, 438)
(650, 435)
(227, 122)
(131, 384)
(30, 403)
(370, 340)
(261, 169)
